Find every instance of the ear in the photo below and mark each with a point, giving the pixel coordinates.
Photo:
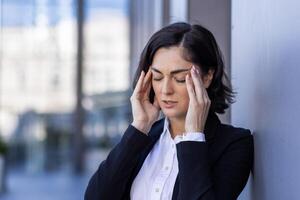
(207, 78)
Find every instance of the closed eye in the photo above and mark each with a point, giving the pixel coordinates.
(177, 80)
(157, 79)
(180, 81)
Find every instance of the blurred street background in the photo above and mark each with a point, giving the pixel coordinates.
(66, 68)
(59, 118)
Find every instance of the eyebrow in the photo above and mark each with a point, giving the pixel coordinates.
(172, 72)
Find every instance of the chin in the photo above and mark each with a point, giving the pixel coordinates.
(172, 113)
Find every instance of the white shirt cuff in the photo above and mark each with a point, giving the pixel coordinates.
(191, 136)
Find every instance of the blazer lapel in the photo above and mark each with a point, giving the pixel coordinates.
(154, 134)
(210, 128)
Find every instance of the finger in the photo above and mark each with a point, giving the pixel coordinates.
(199, 88)
(205, 96)
(203, 87)
(147, 79)
(201, 91)
(138, 86)
(148, 83)
(206, 100)
(190, 89)
(145, 90)
(204, 90)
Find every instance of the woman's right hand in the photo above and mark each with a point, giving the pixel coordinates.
(144, 112)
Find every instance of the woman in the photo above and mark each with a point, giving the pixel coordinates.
(188, 154)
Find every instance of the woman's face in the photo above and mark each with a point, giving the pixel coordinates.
(168, 80)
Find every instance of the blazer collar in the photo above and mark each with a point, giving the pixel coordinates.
(211, 125)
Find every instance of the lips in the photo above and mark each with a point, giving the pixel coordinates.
(169, 103)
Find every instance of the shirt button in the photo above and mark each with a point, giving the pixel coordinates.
(157, 190)
(166, 168)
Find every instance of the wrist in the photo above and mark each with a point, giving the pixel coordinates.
(141, 126)
(194, 130)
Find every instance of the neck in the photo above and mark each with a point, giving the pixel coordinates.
(176, 127)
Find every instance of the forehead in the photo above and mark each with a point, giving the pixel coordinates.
(168, 59)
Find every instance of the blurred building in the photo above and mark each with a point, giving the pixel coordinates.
(38, 61)
(38, 71)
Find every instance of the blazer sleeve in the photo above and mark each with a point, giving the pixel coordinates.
(227, 177)
(110, 180)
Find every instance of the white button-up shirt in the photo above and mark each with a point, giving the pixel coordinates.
(157, 176)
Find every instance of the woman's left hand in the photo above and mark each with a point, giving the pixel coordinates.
(199, 103)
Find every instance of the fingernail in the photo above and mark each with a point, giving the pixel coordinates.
(193, 70)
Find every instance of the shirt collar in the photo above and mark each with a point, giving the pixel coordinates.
(166, 124)
(166, 132)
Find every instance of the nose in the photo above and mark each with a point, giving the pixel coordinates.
(167, 87)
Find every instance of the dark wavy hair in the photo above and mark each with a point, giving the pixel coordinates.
(200, 48)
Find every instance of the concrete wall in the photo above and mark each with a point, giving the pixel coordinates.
(266, 73)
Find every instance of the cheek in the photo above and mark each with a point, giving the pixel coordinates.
(184, 97)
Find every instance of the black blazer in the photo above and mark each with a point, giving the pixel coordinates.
(217, 169)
